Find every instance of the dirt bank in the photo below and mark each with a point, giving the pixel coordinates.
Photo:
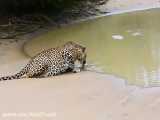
(129, 5)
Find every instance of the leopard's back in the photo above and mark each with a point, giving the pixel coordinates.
(51, 62)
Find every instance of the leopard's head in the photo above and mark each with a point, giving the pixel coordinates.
(79, 50)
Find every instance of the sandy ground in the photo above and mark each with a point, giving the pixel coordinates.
(80, 96)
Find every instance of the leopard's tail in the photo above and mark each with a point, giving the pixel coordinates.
(16, 76)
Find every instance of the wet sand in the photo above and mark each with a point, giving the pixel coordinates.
(80, 96)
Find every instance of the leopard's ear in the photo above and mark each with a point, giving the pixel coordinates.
(70, 42)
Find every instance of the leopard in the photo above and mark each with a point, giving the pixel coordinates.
(53, 61)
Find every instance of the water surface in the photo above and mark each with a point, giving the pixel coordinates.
(126, 45)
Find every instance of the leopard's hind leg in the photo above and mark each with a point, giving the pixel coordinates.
(35, 70)
(51, 71)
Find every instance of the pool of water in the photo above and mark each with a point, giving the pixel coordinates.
(126, 45)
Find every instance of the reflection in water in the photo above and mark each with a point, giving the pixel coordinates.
(117, 37)
(127, 45)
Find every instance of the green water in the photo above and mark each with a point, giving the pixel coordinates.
(125, 45)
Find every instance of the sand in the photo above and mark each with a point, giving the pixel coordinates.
(81, 96)
(74, 96)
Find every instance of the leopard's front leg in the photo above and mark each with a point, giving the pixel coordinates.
(73, 66)
(80, 63)
(77, 66)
